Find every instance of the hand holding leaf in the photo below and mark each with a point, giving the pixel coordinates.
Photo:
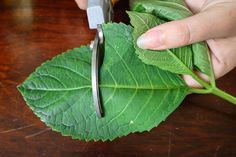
(213, 21)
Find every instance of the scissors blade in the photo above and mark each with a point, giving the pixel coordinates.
(97, 56)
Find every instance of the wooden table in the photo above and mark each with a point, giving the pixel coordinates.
(33, 31)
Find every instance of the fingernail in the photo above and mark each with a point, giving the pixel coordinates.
(152, 39)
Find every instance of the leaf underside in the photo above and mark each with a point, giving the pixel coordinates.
(147, 14)
(136, 97)
(176, 60)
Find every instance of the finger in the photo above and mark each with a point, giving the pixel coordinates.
(223, 55)
(82, 4)
(214, 23)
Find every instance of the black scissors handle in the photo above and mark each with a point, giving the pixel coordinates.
(97, 57)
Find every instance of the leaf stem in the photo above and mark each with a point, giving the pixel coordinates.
(211, 89)
(199, 91)
(212, 77)
(199, 80)
(212, 74)
(218, 92)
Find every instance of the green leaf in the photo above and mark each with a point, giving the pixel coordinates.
(177, 60)
(169, 10)
(135, 97)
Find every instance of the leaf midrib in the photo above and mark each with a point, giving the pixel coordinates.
(110, 86)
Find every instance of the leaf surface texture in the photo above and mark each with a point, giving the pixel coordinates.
(135, 97)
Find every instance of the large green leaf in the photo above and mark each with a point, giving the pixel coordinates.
(135, 97)
(175, 60)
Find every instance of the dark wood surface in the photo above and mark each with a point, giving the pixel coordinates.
(33, 31)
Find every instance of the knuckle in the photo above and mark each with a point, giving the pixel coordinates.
(222, 68)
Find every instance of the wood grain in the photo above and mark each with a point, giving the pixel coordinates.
(33, 31)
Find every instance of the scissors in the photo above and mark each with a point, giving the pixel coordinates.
(98, 12)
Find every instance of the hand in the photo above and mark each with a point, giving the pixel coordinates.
(82, 4)
(214, 21)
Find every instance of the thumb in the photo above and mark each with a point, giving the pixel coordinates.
(214, 23)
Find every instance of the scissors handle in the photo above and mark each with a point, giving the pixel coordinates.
(99, 11)
(97, 57)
